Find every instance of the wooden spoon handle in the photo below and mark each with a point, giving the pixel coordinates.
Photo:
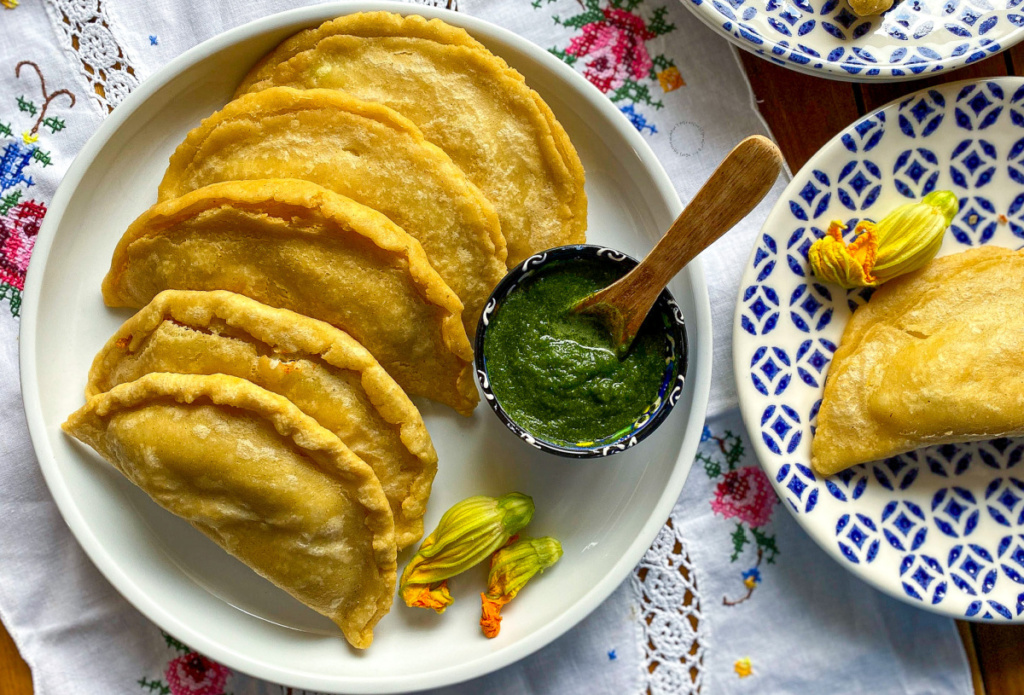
(735, 188)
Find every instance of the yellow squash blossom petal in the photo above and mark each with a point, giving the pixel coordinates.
(903, 241)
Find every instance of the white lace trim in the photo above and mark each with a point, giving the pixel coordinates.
(671, 629)
(103, 63)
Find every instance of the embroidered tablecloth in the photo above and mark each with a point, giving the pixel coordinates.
(732, 597)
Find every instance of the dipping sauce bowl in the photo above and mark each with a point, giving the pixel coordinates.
(665, 315)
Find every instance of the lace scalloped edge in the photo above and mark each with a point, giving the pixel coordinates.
(86, 34)
(671, 630)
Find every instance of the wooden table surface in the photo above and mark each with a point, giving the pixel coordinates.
(804, 113)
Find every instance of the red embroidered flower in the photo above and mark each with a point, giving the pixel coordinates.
(746, 494)
(194, 674)
(614, 49)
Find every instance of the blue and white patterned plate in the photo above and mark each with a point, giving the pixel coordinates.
(942, 527)
(823, 37)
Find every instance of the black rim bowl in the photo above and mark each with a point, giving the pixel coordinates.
(676, 354)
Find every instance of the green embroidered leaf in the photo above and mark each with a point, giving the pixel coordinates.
(154, 686)
(659, 63)
(563, 56)
(581, 20)
(627, 5)
(5, 129)
(26, 106)
(54, 124)
(711, 467)
(9, 201)
(13, 296)
(732, 445)
(658, 25)
(739, 539)
(632, 90)
(767, 544)
(175, 644)
(42, 156)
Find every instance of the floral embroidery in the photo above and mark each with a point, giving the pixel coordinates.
(743, 667)
(20, 216)
(9, 4)
(194, 674)
(611, 51)
(19, 227)
(743, 493)
(188, 673)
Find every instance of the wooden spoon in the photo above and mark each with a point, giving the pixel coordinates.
(734, 189)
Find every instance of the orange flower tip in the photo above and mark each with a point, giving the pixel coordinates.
(490, 615)
(422, 596)
(836, 229)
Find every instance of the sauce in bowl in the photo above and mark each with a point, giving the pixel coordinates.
(555, 373)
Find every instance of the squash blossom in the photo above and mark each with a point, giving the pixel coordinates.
(467, 533)
(902, 242)
(511, 568)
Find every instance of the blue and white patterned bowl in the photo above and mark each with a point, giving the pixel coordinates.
(676, 353)
(823, 37)
(941, 527)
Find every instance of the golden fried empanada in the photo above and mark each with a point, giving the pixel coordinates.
(364, 151)
(294, 245)
(319, 368)
(260, 478)
(466, 100)
(933, 358)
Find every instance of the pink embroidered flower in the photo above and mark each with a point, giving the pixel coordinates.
(746, 494)
(614, 49)
(194, 674)
(18, 231)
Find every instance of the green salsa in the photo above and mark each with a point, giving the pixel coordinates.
(555, 373)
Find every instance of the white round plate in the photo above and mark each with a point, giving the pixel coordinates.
(605, 512)
(915, 38)
(943, 527)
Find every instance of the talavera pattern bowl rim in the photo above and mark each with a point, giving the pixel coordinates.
(672, 383)
(940, 528)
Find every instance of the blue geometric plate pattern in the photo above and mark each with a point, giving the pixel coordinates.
(942, 527)
(913, 39)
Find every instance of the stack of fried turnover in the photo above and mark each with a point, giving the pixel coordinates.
(321, 247)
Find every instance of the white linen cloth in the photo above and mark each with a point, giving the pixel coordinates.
(767, 611)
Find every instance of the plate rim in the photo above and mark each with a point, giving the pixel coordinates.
(829, 69)
(208, 641)
(748, 411)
